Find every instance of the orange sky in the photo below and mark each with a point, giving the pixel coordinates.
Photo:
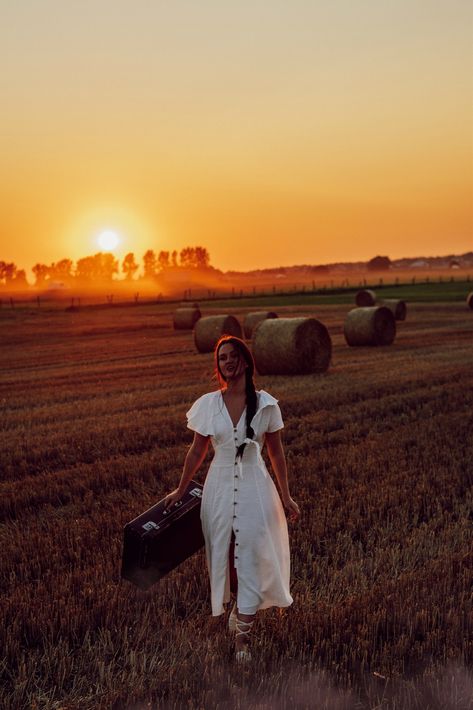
(271, 133)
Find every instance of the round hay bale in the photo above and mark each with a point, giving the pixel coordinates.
(365, 297)
(291, 346)
(208, 330)
(251, 320)
(374, 325)
(398, 308)
(185, 318)
(469, 300)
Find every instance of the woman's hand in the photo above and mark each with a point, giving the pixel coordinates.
(172, 498)
(292, 509)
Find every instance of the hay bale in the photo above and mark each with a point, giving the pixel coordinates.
(469, 300)
(397, 307)
(374, 325)
(365, 297)
(185, 318)
(251, 320)
(291, 346)
(208, 330)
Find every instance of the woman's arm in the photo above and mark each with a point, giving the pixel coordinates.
(278, 463)
(193, 460)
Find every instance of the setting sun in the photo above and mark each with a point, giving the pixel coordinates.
(108, 240)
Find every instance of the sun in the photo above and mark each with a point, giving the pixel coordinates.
(108, 240)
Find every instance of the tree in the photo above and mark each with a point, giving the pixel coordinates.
(149, 264)
(105, 266)
(85, 268)
(62, 270)
(379, 263)
(187, 257)
(129, 266)
(100, 267)
(41, 272)
(20, 278)
(202, 258)
(163, 260)
(174, 258)
(194, 257)
(7, 272)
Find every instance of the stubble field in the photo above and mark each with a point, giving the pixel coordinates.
(380, 453)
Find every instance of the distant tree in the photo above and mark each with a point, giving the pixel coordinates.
(106, 266)
(379, 263)
(100, 267)
(174, 258)
(187, 257)
(149, 264)
(41, 272)
(202, 258)
(129, 266)
(20, 278)
(62, 270)
(163, 260)
(85, 268)
(194, 257)
(7, 272)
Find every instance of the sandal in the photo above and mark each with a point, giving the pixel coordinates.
(243, 655)
(232, 618)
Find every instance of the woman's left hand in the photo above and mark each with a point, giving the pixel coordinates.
(292, 509)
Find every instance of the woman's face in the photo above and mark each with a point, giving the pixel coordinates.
(230, 362)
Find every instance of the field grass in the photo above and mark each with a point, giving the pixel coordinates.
(380, 455)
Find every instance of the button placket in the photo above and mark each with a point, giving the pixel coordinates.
(235, 492)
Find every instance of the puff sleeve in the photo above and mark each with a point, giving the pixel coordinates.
(199, 416)
(275, 421)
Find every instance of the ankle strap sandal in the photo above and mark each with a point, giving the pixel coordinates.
(243, 628)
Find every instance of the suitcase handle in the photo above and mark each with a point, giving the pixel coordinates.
(177, 504)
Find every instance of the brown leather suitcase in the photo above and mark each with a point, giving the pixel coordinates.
(158, 540)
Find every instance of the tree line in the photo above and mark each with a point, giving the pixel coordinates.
(102, 267)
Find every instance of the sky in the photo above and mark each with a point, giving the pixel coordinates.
(271, 132)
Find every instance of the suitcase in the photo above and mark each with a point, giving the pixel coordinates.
(158, 540)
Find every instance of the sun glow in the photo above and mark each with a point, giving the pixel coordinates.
(108, 240)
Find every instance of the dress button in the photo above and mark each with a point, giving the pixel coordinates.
(235, 489)
(236, 557)
(236, 529)
(236, 543)
(235, 517)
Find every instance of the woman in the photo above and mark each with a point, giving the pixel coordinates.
(243, 521)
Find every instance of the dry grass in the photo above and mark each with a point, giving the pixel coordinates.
(379, 450)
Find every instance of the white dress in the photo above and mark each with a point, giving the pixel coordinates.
(240, 495)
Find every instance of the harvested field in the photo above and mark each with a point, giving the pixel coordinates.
(379, 450)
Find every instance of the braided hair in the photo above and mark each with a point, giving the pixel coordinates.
(250, 391)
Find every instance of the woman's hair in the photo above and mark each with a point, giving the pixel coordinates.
(251, 400)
